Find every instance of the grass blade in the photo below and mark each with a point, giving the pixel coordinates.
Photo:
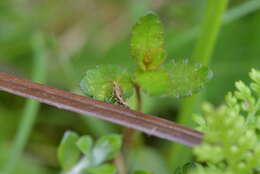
(31, 106)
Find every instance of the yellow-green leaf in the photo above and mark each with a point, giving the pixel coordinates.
(147, 42)
(99, 82)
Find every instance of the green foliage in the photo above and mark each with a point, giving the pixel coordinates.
(173, 79)
(185, 169)
(102, 169)
(186, 77)
(147, 159)
(231, 144)
(147, 42)
(209, 170)
(68, 153)
(73, 25)
(99, 82)
(85, 144)
(106, 148)
(93, 158)
(31, 108)
(255, 76)
(154, 82)
(142, 172)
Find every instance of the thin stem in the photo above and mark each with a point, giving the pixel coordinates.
(209, 30)
(151, 125)
(203, 52)
(120, 163)
(31, 106)
(129, 133)
(230, 16)
(138, 97)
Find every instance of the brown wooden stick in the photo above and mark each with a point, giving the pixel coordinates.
(116, 114)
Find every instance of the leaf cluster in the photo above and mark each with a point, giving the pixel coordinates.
(232, 140)
(154, 74)
(80, 155)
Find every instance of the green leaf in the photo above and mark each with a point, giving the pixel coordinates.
(102, 169)
(154, 82)
(99, 82)
(231, 133)
(142, 172)
(255, 76)
(147, 42)
(85, 145)
(68, 153)
(186, 77)
(106, 148)
(185, 169)
(174, 79)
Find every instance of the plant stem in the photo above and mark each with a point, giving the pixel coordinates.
(120, 163)
(230, 16)
(129, 133)
(202, 53)
(209, 30)
(31, 106)
(138, 97)
(149, 124)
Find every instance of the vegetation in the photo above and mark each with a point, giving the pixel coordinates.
(64, 44)
(231, 143)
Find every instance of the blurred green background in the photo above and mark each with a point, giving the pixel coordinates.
(83, 33)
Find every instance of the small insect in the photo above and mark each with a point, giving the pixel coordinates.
(117, 94)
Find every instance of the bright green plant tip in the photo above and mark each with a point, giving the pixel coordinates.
(68, 153)
(147, 42)
(231, 143)
(174, 79)
(100, 82)
(255, 76)
(106, 147)
(102, 169)
(85, 144)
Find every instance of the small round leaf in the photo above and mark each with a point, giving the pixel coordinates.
(147, 42)
(85, 144)
(99, 82)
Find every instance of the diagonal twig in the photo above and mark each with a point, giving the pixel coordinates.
(116, 114)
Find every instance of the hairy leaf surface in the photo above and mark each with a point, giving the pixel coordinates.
(147, 42)
(174, 79)
(100, 81)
